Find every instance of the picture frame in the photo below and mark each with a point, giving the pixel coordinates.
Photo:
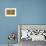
(10, 12)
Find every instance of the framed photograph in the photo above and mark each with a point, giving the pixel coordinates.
(10, 12)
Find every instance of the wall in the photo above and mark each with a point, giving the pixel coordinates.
(28, 12)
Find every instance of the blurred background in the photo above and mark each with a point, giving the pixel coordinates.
(28, 12)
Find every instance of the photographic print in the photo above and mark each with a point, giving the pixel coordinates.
(10, 12)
